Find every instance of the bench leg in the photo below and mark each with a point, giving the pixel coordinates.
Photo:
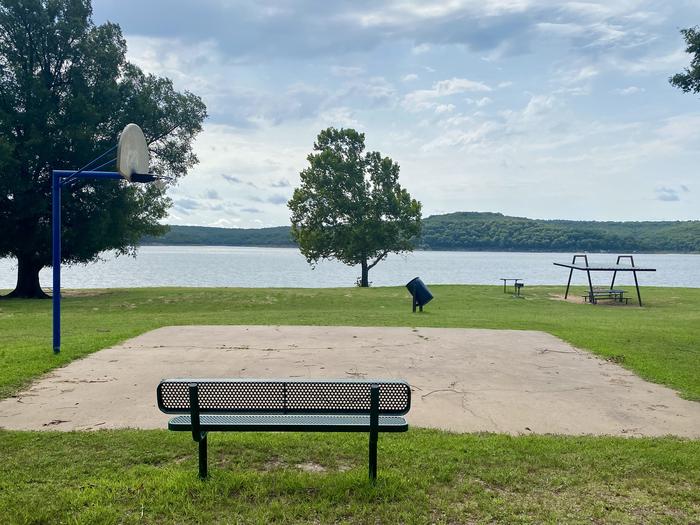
(373, 438)
(373, 431)
(203, 457)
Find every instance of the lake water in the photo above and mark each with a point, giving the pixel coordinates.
(285, 267)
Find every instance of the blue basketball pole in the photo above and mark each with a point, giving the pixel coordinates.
(56, 254)
(60, 178)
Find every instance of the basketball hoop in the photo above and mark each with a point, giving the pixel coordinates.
(132, 165)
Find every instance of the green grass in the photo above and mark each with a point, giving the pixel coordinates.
(660, 342)
(425, 476)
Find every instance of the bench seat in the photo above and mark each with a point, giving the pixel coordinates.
(287, 423)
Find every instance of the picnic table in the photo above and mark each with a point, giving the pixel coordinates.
(606, 293)
(515, 283)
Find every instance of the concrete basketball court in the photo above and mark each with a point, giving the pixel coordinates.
(464, 380)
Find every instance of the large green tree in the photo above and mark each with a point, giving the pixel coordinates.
(689, 79)
(350, 205)
(66, 91)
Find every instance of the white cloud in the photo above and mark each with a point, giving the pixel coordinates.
(458, 85)
(462, 138)
(229, 222)
(444, 108)
(576, 80)
(406, 12)
(347, 71)
(629, 90)
(560, 29)
(409, 78)
(260, 165)
(457, 120)
(340, 117)
(480, 102)
(420, 49)
(424, 98)
(667, 63)
(585, 73)
(375, 88)
(681, 130)
(538, 106)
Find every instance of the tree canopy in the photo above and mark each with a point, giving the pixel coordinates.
(497, 232)
(350, 205)
(689, 79)
(66, 92)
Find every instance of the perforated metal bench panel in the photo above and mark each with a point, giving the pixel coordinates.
(288, 423)
(263, 405)
(255, 396)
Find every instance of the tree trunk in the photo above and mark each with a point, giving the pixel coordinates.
(28, 286)
(364, 280)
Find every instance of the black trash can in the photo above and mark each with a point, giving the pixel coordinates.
(420, 293)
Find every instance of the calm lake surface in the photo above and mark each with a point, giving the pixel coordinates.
(285, 267)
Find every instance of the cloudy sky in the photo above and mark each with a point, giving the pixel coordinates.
(536, 108)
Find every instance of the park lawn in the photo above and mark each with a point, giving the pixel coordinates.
(660, 342)
(129, 476)
(425, 476)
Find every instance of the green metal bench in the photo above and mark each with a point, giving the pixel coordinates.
(260, 405)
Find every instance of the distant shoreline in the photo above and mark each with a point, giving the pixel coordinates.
(488, 250)
(483, 232)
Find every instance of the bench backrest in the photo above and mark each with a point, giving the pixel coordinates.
(260, 396)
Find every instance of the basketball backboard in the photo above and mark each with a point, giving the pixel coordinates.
(132, 152)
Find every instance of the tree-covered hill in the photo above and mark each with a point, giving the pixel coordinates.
(279, 236)
(486, 231)
(495, 231)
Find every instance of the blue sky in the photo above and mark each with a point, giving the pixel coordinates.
(536, 108)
